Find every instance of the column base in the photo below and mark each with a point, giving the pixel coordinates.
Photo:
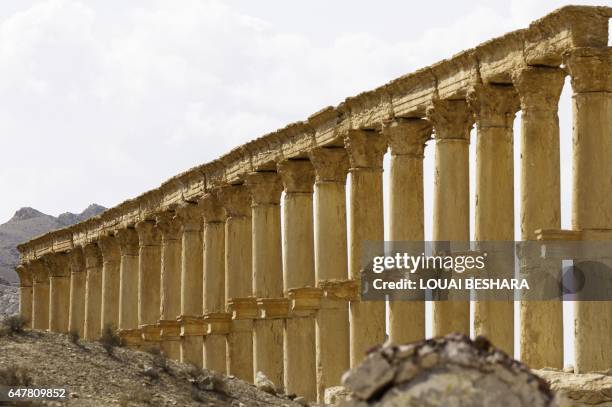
(132, 338)
(151, 336)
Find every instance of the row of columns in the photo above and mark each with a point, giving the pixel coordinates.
(222, 283)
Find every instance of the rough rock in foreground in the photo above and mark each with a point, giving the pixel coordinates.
(125, 378)
(447, 371)
(588, 389)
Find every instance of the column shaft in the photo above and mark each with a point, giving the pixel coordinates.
(170, 290)
(407, 144)
(238, 278)
(192, 335)
(298, 273)
(331, 265)
(365, 150)
(128, 286)
(111, 259)
(149, 281)
(40, 295)
(76, 319)
(494, 107)
(93, 292)
(25, 293)
(265, 190)
(592, 189)
(452, 122)
(539, 91)
(59, 291)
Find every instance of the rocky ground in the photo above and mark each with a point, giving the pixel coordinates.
(127, 378)
(589, 389)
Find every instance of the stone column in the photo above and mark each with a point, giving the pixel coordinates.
(365, 150)
(192, 324)
(93, 292)
(128, 287)
(40, 295)
(76, 318)
(592, 206)
(331, 265)
(149, 277)
(25, 293)
(407, 139)
(238, 280)
(59, 291)
(452, 122)
(265, 189)
(539, 91)
(170, 290)
(494, 107)
(218, 321)
(111, 259)
(299, 277)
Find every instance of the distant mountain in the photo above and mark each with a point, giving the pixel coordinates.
(28, 223)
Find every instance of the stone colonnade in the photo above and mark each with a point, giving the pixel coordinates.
(263, 274)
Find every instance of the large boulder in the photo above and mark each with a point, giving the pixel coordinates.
(447, 371)
(588, 389)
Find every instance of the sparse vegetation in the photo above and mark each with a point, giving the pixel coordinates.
(160, 360)
(138, 395)
(14, 375)
(109, 339)
(74, 337)
(12, 325)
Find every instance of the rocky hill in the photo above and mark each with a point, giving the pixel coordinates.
(123, 377)
(26, 224)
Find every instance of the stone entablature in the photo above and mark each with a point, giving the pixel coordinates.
(543, 43)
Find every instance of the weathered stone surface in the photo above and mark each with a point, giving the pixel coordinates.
(446, 371)
(590, 389)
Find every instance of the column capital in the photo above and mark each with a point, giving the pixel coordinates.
(330, 164)
(590, 69)
(77, 260)
(148, 233)
(539, 87)
(128, 241)
(109, 247)
(57, 264)
(297, 175)
(365, 149)
(168, 226)
(407, 136)
(493, 105)
(235, 199)
(40, 273)
(92, 256)
(451, 119)
(189, 216)
(211, 208)
(25, 275)
(265, 187)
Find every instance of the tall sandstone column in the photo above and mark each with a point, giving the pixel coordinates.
(452, 122)
(592, 206)
(93, 292)
(192, 324)
(111, 259)
(539, 90)
(59, 291)
(331, 265)
(218, 322)
(40, 295)
(494, 107)
(78, 276)
(365, 150)
(299, 277)
(407, 139)
(170, 290)
(265, 189)
(25, 293)
(238, 280)
(128, 287)
(149, 276)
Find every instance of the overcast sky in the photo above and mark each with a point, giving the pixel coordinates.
(102, 100)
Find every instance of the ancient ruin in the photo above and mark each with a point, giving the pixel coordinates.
(199, 266)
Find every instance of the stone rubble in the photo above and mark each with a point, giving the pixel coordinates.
(446, 371)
